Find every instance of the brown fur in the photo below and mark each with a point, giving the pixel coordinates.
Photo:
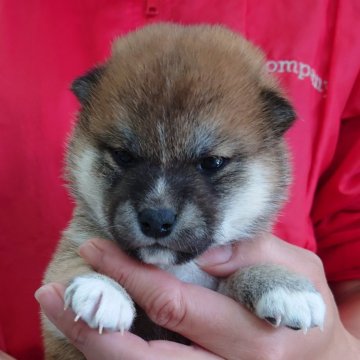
(215, 55)
(59, 349)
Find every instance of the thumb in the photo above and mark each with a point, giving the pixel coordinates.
(223, 261)
(4, 356)
(219, 261)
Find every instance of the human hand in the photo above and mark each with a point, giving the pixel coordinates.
(218, 325)
(4, 356)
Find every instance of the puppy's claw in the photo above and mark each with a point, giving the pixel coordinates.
(77, 317)
(66, 304)
(100, 330)
(274, 321)
(295, 328)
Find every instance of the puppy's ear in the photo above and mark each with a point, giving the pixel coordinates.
(279, 110)
(83, 85)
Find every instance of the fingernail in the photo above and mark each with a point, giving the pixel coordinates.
(89, 251)
(43, 289)
(215, 256)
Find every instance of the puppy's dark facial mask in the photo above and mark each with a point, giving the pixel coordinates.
(179, 146)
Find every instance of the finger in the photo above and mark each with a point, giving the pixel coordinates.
(4, 356)
(179, 306)
(265, 249)
(109, 346)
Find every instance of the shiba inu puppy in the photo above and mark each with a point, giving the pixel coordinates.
(178, 147)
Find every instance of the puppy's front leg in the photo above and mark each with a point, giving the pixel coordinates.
(277, 296)
(96, 299)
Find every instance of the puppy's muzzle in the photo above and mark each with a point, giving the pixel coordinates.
(157, 223)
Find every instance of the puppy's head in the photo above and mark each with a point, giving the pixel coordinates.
(179, 143)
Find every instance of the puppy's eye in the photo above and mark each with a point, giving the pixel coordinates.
(122, 157)
(211, 163)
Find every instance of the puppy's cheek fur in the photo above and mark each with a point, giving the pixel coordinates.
(248, 209)
(87, 182)
(192, 234)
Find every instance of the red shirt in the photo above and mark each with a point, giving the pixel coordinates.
(313, 47)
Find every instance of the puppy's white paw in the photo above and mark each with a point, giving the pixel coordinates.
(100, 302)
(294, 309)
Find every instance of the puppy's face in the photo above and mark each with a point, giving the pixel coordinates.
(179, 143)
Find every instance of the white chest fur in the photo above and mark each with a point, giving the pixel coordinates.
(191, 273)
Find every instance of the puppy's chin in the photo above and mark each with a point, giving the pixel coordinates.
(161, 256)
(157, 255)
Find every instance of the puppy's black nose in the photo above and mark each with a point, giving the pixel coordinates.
(157, 223)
